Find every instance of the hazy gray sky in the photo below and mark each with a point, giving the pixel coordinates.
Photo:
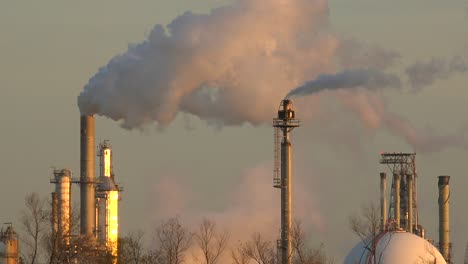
(49, 50)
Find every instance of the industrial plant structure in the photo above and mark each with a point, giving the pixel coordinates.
(99, 202)
(8, 245)
(107, 201)
(401, 239)
(283, 124)
(61, 214)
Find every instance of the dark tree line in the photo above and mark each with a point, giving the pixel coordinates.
(171, 243)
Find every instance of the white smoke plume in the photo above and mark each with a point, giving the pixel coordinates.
(216, 66)
(366, 78)
(422, 74)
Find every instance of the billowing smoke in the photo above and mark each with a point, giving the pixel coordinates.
(233, 66)
(422, 74)
(216, 66)
(366, 78)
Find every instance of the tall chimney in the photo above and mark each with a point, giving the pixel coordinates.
(383, 201)
(87, 208)
(286, 121)
(396, 180)
(444, 217)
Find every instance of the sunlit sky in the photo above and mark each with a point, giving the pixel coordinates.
(49, 50)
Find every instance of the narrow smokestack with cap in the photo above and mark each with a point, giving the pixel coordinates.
(383, 201)
(87, 208)
(444, 217)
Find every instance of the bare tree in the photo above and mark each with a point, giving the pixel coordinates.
(34, 221)
(302, 253)
(173, 240)
(367, 227)
(239, 255)
(211, 243)
(260, 250)
(131, 249)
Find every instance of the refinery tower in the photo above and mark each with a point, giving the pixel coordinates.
(107, 202)
(283, 124)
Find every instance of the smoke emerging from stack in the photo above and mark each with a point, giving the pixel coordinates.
(360, 78)
(216, 65)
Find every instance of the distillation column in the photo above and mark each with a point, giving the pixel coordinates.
(286, 122)
(444, 217)
(107, 200)
(61, 210)
(87, 210)
(9, 246)
(410, 203)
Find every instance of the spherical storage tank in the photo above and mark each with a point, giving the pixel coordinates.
(396, 247)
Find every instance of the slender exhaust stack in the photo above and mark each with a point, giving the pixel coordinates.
(87, 208)
(286, 121)
(383, 201)
(444, 217)
(396, 180)
(410, 203)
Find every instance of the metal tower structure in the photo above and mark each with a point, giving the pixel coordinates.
(61, 214)
(9, 245)
(283, 124)
(107, 202)
(403, 210)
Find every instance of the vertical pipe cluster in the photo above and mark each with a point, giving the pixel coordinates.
(87, 210)
(396, 180)
(444, 217)
(383, 201)
(286, 200)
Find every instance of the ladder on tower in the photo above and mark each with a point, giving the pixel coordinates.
(277, 158)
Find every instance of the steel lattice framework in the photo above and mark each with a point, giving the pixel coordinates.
(404, 165)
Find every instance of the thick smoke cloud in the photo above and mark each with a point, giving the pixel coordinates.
(216, 66)
(233, 66)
(369, 79)
(422, 74)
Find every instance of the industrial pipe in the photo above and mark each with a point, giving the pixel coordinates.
(383, 201)
(444, 217)
(396, 180)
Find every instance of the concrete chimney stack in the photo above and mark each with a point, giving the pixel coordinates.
(87, 156)
(444, 217)
(383, 201)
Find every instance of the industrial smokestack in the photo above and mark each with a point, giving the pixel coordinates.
(444, 217)
(87, 208)
(286, 121)
(383, 201)
(410, 203)
(396, 180)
